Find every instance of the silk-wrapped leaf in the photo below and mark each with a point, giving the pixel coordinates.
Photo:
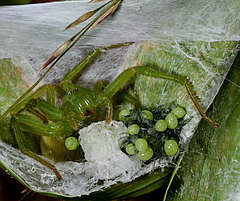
(205, 64)
(210, 169)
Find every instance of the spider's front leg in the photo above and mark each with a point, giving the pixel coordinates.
(113, 87)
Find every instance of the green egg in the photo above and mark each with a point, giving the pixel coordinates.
(71, 143)
(161, 125)
(147, 114)
(178, 112)
(130, 149)
(170, 147)
(171, 121)
(145, 155)
(141, 144)
(133, 129)
(122, 114)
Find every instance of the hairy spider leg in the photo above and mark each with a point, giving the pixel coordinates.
(113, 87)
(20, 122)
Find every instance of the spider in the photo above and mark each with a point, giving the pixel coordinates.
(53, 124)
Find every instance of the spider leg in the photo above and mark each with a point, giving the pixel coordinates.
(19, 138)
(51, 124)
(101, 85)
(50, 96)
(76, 69)
(87, 59)
(98, 89)
(44, 119)
(113, 87)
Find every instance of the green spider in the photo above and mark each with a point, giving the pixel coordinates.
(53, 124)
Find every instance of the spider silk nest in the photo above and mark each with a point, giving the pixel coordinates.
(79, 178)
(75, 180)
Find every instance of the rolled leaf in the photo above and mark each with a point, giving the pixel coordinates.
(182, 51)
(196, 60)
(210, 169)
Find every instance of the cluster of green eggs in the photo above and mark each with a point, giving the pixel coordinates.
(153, 133)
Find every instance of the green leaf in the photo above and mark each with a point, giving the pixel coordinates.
(14, 80)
